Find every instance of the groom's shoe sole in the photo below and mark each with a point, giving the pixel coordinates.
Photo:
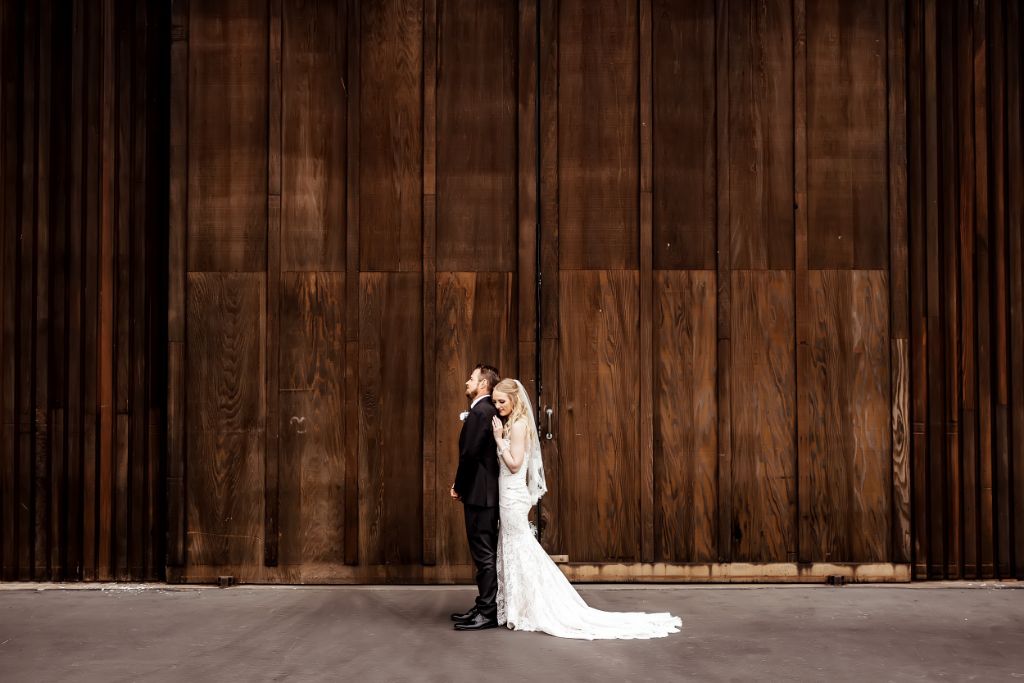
(474, 626)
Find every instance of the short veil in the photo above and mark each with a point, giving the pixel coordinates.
(535, 482)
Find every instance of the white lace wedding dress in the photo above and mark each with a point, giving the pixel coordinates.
(534, 595)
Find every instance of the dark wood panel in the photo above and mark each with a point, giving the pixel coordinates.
(847, 142)
(1015, 226)
(314, 132)
(764, 416)
(685, 418)
(475, 324)
(760, 116)
(684, 134)
(312, 426)
(390, 136)
(597, 415)
(476, 135)
(226, 409)
(598, 150)
(846, 468)
(227, 133)
(390, 413)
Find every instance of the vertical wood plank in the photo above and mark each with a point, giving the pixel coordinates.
(684, 132)
(177, 258)
(42, 321)
(760, 90)
(986, 559)
(391, 467)
(353, 118)
(430, 220)
(312, 427)
(723, 283)
(846, 141)
(598, 142)
(314, 118)
(475, 57)
(1015, 228)
(90, 332)
(685, 418)
(528, 207)
(105, 352)
(272, 466)
(764, 505)
(807, 487)
(548, 55)
(967, 283)
(950, 301)
(391, 139)
(598, 367)
(646, 282)
(899, 325)
(228, 161)
(1000, 389)
(226, 417)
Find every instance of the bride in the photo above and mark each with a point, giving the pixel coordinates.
(533, 594)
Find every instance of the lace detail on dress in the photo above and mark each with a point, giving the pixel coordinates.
(534, 595)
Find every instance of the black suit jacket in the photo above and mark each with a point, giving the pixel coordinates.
(476, 480)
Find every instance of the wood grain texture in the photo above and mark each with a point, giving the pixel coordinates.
(685, 417)
(598, 413)
(226, 413)
(476, 135)
(723, 283)
(598, 150)
(760, 161)
(550, 506)
(475, 324)
(685, 134)
(901, 483)
(314, 136)
(390, 135)
(847, 466)
(1015, 228)
(764, 458)
(429, 435)
(390, 412)
(847, 152)
(646, 293)
(312, 426)
(227, 134)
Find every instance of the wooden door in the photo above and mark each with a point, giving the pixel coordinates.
(354, 218)
(715, 349)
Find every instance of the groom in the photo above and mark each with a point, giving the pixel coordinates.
(476, 485)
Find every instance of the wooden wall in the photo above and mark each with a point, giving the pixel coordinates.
(776, 318)
(82, 289)
(966, 181)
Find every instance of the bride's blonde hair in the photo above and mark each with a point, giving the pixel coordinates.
(509, 388)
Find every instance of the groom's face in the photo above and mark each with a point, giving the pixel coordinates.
(474, 385)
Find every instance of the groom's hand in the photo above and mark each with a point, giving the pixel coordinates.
(454, 495)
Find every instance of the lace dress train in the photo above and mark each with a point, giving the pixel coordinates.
(534, 595)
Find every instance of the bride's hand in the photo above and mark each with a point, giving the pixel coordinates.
(498, 428)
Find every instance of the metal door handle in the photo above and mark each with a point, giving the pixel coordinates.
(549, 436)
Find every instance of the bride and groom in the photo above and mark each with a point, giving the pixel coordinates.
(500, 477)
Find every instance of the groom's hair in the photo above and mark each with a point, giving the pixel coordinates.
(489, 374)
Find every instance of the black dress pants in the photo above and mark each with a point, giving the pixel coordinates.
(482, 532)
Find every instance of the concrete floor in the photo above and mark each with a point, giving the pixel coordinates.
(255, 633)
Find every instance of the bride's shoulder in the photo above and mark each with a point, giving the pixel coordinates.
(519, 426)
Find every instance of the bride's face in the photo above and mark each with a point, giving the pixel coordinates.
(503, 403)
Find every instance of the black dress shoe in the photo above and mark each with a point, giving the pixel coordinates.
(477, 623)
(467, 615)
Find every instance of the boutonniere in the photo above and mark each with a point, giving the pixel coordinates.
(463, 415)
